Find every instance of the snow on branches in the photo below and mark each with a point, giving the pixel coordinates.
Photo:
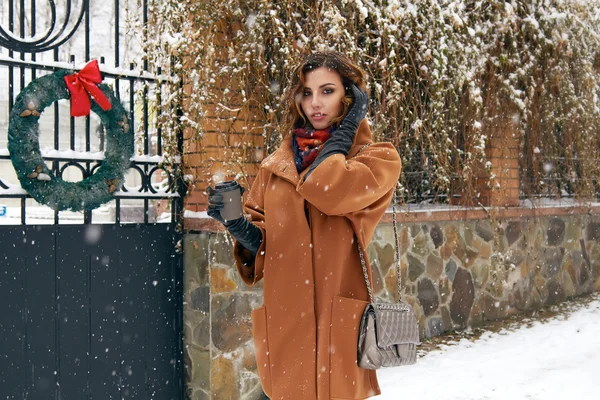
(440, 73)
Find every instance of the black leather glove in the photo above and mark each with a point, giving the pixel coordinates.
(357, 112)
(342, 138)
(244, 231)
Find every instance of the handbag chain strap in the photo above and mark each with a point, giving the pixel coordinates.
(364, 264)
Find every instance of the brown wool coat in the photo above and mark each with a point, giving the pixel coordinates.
(306, 332)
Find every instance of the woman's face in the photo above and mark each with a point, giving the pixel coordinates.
(322, 97)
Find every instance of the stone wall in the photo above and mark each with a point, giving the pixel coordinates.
(218, 349)
(457, 272)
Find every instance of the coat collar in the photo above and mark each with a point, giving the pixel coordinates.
(281, 162)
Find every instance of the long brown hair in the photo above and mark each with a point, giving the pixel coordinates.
(348, 71)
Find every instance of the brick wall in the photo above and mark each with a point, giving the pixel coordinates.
(231, 142)
(501, 188)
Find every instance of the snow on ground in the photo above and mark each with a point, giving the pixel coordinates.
(555, 359)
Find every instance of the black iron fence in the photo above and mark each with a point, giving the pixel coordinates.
(93, 311)
(40, 37)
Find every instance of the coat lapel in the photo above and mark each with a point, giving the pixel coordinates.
(363, 136)
(281, 162)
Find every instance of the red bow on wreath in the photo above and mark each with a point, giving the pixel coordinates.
(82, 86)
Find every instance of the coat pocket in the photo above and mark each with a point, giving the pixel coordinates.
(261, 347)
(347, 380)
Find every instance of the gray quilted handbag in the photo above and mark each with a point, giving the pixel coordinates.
(388, 335)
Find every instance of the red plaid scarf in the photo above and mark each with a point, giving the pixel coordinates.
(307, 144)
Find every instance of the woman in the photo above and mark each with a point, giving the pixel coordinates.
(326, 186)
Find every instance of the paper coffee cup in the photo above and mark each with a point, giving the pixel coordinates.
(232, 198)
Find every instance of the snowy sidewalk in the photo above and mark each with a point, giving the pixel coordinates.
(555, 359)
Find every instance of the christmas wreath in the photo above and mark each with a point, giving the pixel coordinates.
(24, 147)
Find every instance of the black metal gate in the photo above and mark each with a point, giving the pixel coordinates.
(92, 301)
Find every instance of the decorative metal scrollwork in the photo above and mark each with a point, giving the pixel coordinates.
(53, 37)
(3, 185)
(170, 184)
(73, 164)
